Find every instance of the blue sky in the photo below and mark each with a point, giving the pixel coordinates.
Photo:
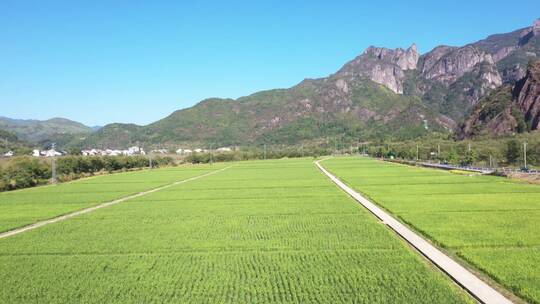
(99, 62)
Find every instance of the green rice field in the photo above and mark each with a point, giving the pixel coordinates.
(258, 232)
(490, 222)
(23, 207)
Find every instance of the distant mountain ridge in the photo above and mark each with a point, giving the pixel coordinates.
(36, 131)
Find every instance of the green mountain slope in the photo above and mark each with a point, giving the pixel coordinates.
(10, 142)
(314, 110)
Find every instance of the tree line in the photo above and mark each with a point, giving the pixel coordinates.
(253, 153)
(494, 153)
(24, 172)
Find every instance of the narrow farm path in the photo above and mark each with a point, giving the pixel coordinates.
(474, 285)
(107, 204)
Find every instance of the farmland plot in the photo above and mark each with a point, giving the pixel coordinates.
(490, 222)
(259, 232)
(23, 207)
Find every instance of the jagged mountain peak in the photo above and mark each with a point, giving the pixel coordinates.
(382, 65)
(406, 59)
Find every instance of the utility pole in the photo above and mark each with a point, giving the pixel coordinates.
(525, 153)
(265, 151)
(53, 166)
(211, 154)
(417, 152)
(302, 149)
(439, 150)
(469, 147)
(490, 162)
(53, 169)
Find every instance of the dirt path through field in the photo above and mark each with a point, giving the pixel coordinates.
(474, 285)
(103, 205)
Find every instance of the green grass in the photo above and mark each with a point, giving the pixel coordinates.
(259, 232)
(491, 222)
(23, 207)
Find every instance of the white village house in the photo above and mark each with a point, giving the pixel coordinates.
(181, 151)
(224, 149)
(50, 153)
(160, 151)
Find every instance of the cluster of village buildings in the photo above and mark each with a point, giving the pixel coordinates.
(114, 152)
(117, 152)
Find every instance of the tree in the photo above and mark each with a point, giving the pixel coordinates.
(469, 158)
(512, 151)
(453, 156)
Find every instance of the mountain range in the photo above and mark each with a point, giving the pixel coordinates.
(42, 131)
(381, 94)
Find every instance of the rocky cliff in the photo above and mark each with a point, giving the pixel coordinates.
(383, 66)
(508, 109)
(447, 67)
(527, 96)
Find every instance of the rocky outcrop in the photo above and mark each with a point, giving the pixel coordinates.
(454, 63)
(387, 75)
(511, 74)
(383, 66)
(503, 53)
(404, 59)
(453, 79)
(507, 110)
(527, 95)
(476, 83)
(431, 58)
